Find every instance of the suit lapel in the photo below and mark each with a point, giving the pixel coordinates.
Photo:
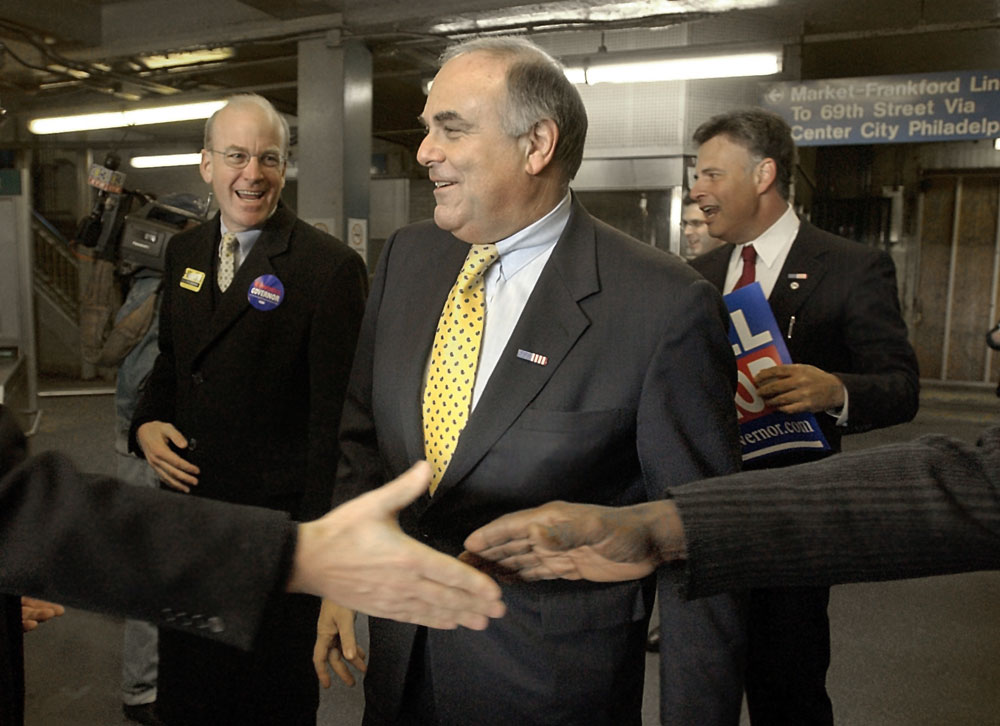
(799, 276)
(198, 307)
(714, 265)
(550, 325)
(234, 304)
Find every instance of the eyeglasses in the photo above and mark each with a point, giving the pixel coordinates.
(239, 159)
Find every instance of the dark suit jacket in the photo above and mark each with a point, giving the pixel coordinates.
(258, 394)
(636, 396)
(927, 507)
(91, 543)
(847, 322)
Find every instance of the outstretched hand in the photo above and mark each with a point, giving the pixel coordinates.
(580, 541)
(358, 556)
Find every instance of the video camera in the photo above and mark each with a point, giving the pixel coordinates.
(148, 230)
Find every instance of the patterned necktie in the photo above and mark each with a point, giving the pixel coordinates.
(454, 357)
(748, 275)
(227, 260)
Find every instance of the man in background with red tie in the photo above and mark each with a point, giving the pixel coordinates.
(836, 304)
(533, 353)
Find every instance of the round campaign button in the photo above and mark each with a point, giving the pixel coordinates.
(266, 292)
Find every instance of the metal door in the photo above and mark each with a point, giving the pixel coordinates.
(956, 295)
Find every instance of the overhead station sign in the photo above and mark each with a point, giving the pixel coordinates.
(945, 106)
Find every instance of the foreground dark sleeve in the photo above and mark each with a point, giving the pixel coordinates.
(202, 566)
(928, 507)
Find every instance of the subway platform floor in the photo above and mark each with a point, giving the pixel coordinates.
(910, 653)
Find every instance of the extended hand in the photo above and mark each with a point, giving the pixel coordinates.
(336, 644)
(35, 611)
(581, 541)
(154, 439)
(796, 388)
(359, 557)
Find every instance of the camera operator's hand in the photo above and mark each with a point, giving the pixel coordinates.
(154, 438)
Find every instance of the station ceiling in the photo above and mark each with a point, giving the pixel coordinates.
(76, 55)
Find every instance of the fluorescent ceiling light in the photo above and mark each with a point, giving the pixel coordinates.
(74, 72)
(538, 15)
(164, 160)
(119, 119)
(680, 65)
(187, 58)
(626, 68)
(161, 160)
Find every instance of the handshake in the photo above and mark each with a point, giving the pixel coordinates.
(358, 556)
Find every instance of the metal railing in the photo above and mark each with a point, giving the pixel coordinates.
(56, 267)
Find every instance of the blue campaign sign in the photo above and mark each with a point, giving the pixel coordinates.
(757, 344)
(940, 106)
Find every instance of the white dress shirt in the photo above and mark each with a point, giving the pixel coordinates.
(509, 283)
(772, 249)
(246, 241)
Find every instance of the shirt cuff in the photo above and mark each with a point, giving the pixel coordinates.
(841, 413)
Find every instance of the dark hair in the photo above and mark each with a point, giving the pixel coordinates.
(688, 200)
(764, 134)
(537, 89)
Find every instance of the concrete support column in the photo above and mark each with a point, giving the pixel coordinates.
(335, 136)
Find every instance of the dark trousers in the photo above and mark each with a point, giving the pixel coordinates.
(789, 653)
(418, 697)
(530, 693)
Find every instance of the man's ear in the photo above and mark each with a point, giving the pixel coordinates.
(205, 166)
(540, 145)
(766, 174)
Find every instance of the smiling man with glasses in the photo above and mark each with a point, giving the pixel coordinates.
(237, 159)
(259, 318)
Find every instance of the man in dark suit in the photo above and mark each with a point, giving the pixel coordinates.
(258, 325)
(208, 568)
(926, 507)
(836, 305)
(605, 376)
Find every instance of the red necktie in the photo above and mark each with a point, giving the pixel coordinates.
(749, 255)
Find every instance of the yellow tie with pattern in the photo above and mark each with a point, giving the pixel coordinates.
(227, 260)
(454, 357)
